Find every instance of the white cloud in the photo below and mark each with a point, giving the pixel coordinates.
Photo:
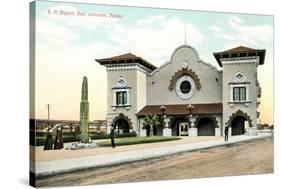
(227, 36)
(219, 33)
(251, 34)
(215, 28)
(150, 20)
(153, 38)
(236, 19)
(60, 60)
(155, 43)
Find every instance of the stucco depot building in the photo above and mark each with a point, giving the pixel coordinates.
(193, 97)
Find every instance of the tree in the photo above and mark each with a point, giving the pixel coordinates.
(150, 121)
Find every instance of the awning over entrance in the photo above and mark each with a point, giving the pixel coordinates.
(175, 109)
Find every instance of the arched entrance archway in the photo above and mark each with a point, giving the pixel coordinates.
(179, 126)
(122, 123)
(237, 122)
(206, 127)
(238, 125)
(122, 126)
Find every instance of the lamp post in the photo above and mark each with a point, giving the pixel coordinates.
(189, 109)
(162, 110)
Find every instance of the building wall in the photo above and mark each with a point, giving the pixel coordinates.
(250, 71)
(158, 83)
(140, 126)
(141, 90)
(141, 97)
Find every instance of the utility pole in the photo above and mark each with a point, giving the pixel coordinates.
(48, 107)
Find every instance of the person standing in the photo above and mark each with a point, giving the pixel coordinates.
(112, 137)
(226, 133)
(59, 139)
(49, 140)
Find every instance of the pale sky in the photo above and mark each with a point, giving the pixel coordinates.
(66, 46)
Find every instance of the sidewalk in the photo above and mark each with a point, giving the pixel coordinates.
(44, 168)
(49, 155)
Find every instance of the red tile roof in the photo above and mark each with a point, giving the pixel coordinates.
(126, 58)
(174, 109)
(119, 57)
(240, 51)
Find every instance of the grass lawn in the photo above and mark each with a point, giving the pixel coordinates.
(67, 137)
(137, 140)
(40, 140)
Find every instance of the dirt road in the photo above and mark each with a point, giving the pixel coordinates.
(245, 158)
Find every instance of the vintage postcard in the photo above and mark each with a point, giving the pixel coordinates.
(129, 94)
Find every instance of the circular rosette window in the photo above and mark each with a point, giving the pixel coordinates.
(185, 87)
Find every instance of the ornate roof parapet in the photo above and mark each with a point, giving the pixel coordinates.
(126, 61)
(128, 66)
(172, 56)
(240, 54)
(241, 60)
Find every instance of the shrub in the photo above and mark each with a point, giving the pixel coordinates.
(40, 141)
(43, 133)
(71, 137)
(131, 134)
(96, 136)
(40, 133)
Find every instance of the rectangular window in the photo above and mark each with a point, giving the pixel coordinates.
(239, 94)
(124, 97)
(242, 93)
(121, 98)
(236, 94)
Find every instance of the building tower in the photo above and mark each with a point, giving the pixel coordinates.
(84, 112)
(126, 90)
(240, 88)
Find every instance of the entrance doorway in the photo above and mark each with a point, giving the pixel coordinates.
(206, 127)
(183, 129)
(122, 126)
(180, 127)
(238, 125)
